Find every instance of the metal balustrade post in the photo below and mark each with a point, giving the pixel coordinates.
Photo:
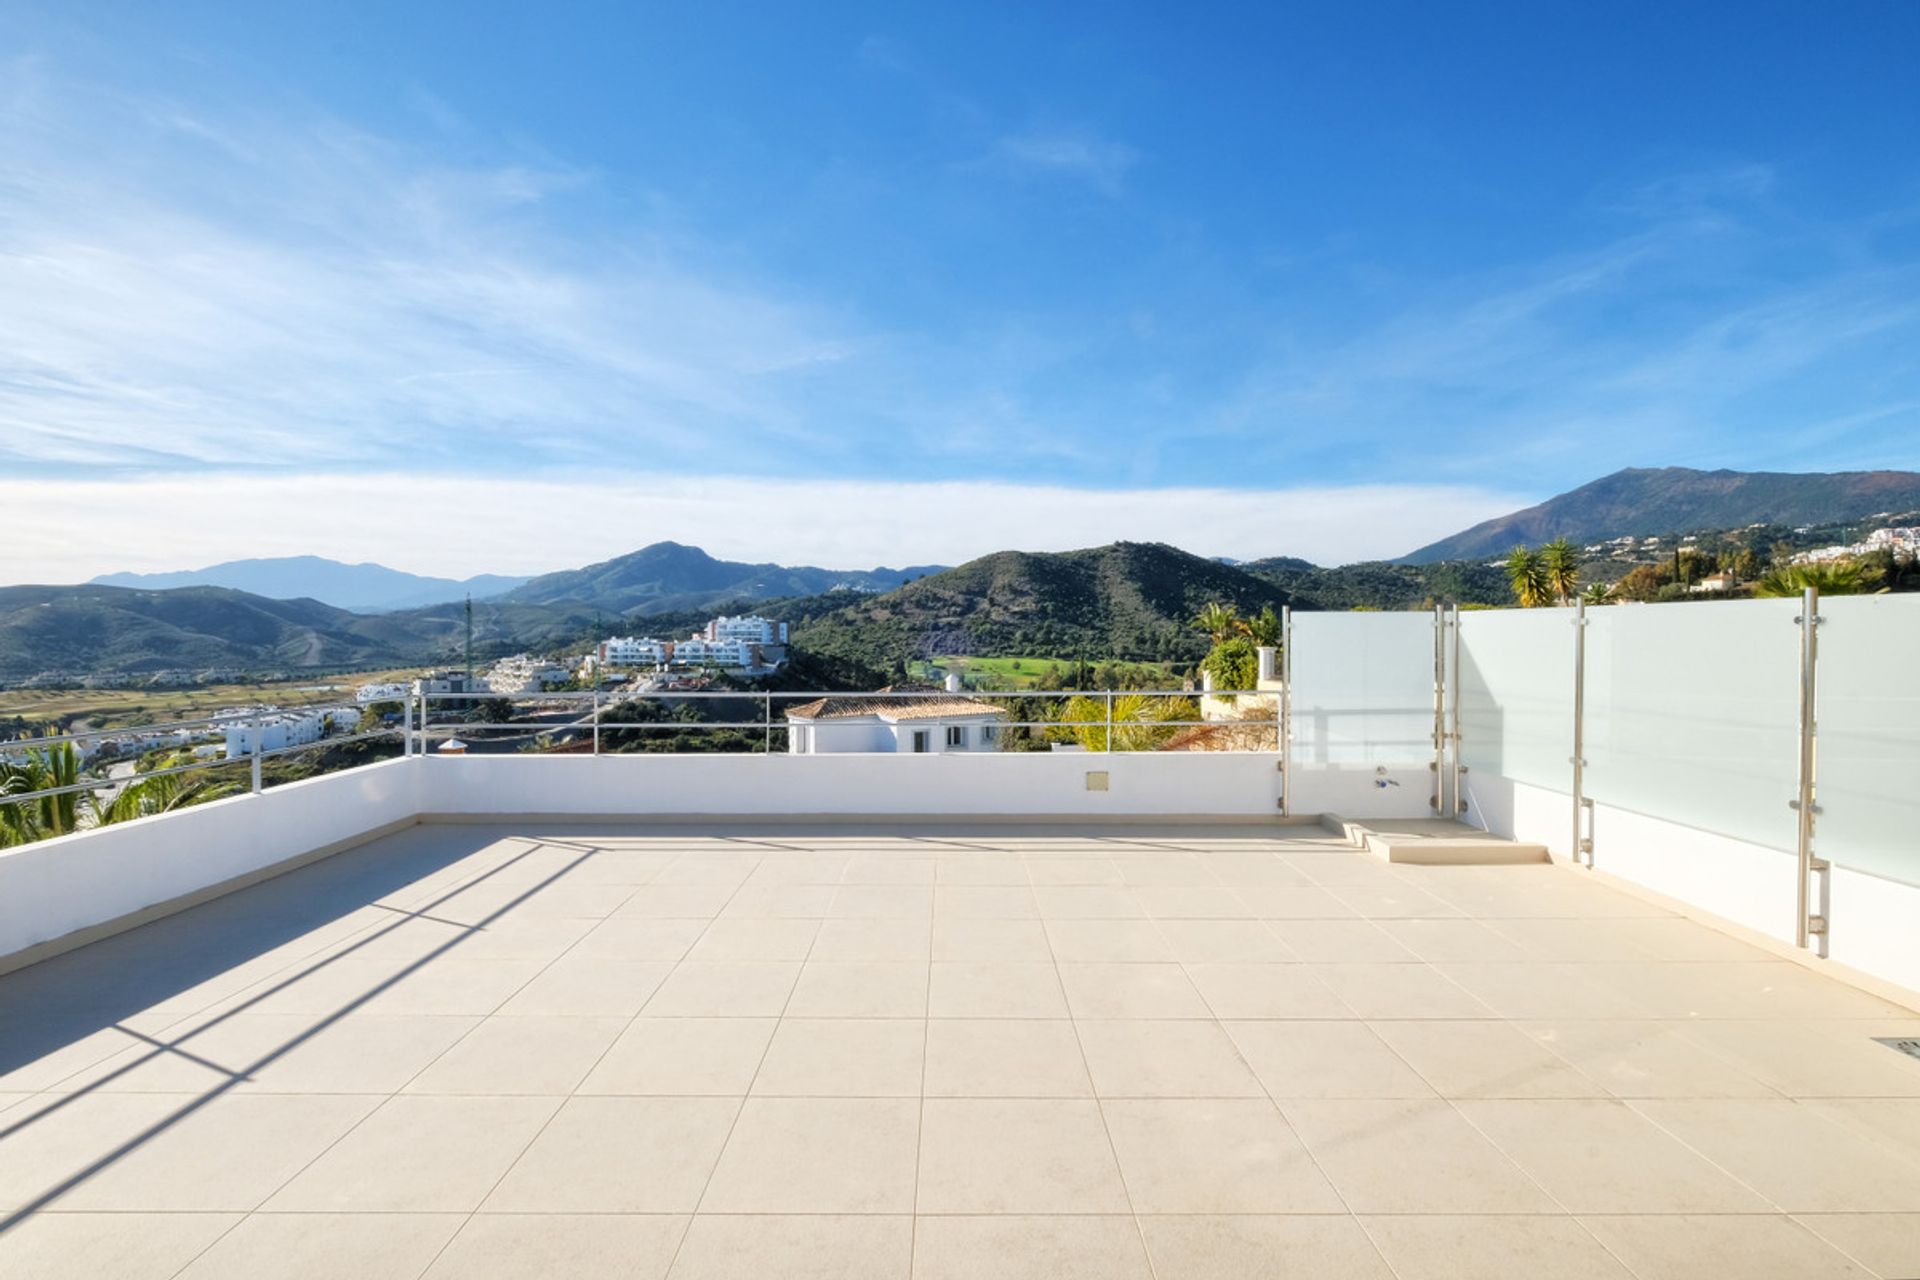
(1581, 848)
(1286, 711)
(406, 728)
(258, 728)
(1809, 924)
(1459, 805)
(596, 722)
(1439, 710)
(767, 711)
(1109, 739)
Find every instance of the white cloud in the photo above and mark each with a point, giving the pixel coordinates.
(1102, 163)
(463, 525)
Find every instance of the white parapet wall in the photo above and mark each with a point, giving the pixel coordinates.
(1872, 920)
(1171, 785)
(60, 892)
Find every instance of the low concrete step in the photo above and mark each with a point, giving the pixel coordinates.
(1434, 842)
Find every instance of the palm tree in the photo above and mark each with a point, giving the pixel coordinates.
(145, 797)
(1830, 577)
(43, 770)
(1139, 722)
(1560, 561)
(1263, 628)
(1219, 621)
(1528, 574)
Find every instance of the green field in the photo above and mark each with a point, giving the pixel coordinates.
(1026, 672)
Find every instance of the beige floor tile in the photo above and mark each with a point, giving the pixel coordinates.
(1172, 870)
(725, 989)
(1323, 1059)
(444, 985)
(1411, 1156)
(800, 868)
(1007, 1247)
(240, 1149)
(1165, 1059)
(1892, 1123)
(418, 1154)
(1545, 992)
(1885, 1243)
(1294, 902)
(1107, 941)
(1400, 901)
(619, 1155)
(1054, 872)
(881, 868)
(1393, 991)
(817, 1155)
(1797, 1158)
(735, 939)
(1682, 1247)
(1088, 902)
(873, 940)
(120, 1246)
(683, 1056)
(991, 941)
(505, 1055)
(1467, 941)
(1822, 1060)
(1484, 1060)
(1486, 1247)
(796, 1247)
(1193, 902)
(1214, 1156)
(1016, 1156)
(996, 991)
(1131, 991)
(989, 1058)
(913, 902)
(1601, 1156)
(588, 986)
(558, 1246)
(857, 989)
(1260, 1247)
(844, 1058)
(985, 902)
(983, 870)
(1265, 991)
(1223, 942)
(284, 1053)
(780, 902)
(323, 1246)
(1340, 941)
(1645, 1059)
(675, 901)
(1675, 938)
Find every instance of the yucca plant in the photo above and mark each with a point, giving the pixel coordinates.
(1829, 577)
(1560, 564)
(1598, 593)
(1527, 573)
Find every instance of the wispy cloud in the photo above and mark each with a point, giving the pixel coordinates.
(462, 524)
(1076, 154)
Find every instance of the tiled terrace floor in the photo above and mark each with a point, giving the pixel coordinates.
(995, 1053)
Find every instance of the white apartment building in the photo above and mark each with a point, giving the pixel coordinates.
(932, 725)
(287, 729)
(524, 673)
(752, 630)
(634, 651)
(695, 651)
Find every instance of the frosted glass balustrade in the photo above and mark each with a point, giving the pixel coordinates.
(1868, 770)
(1362, 688)
(1692, 714)
(1516, 694)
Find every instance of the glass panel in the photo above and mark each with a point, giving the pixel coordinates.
(1868, 774)
(1516, 694)
(1693, 714)
(1362, 687)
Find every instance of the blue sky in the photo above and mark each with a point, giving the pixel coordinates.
(1325, 280)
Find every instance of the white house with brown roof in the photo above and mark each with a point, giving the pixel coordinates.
(925, 724)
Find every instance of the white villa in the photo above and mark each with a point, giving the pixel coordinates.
(930, 725)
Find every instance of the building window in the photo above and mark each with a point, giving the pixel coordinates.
(956, 735)
(919, 741)
(988, 734)
(800, 738)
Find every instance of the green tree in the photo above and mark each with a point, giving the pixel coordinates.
(1527, 574)
(1560, 565)
(1233, 663)
(1140, 722)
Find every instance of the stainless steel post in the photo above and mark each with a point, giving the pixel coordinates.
(406, 727)
(768, 708)
(596, 722)
(1109, 738)
(1581, 848)
(258, 728)
(1808, 923)
(1453, 711)
(1286, 711)
(1439, 709)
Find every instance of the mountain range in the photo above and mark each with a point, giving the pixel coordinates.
(363, 588)
(1651, 501)
(1124, 600)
